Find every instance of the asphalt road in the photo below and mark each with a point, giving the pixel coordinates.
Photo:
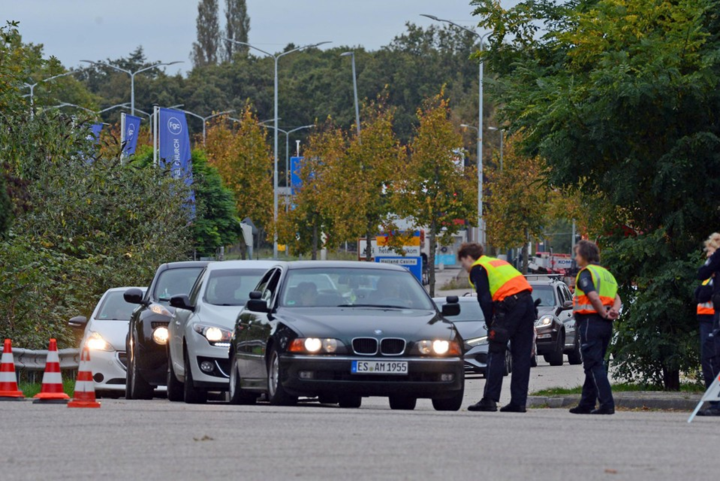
(162, 440)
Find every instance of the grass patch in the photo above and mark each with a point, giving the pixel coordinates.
(622, 387)
(30, 389)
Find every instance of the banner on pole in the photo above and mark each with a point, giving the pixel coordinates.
(174, 146)
(295, 180)
(95, 130)
(131, 128)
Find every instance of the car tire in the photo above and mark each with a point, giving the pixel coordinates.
(508, 363)
(575, 356)
(557, 357)
(453, 403)
(236, 394)
(403, 403)
(191, 394)
(136, 387)
(349, 402)
(175, 389)
(533, 360)
(276, 393)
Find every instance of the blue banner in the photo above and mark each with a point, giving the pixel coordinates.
(132, 128)
(295, 166)
(174, 146)
(96, 129)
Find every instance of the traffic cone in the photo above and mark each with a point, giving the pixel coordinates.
(8, 380)
(84, 396)
(52, 388)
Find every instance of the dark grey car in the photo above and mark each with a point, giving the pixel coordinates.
(556, 332)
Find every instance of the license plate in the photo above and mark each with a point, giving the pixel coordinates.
(379, 367)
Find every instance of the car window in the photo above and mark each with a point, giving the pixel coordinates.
(469, 312)
(323, 282)
(568, 294)
(545, 294)
(268, 294)
(561, 295)
(114, 308)
(195, 291)
(175, 282)
(231, 287)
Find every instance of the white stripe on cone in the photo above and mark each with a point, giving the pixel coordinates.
(52, 378)
(84, 386)
(7, 358)
(7, 376)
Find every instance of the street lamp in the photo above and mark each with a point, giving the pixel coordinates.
(481, 226)
(502, 141)
(205, 119)
(357, 104)
(132, 76)
(287, 148)
(276, 57)
(260, 123)
(32, 89)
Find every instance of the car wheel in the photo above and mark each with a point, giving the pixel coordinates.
(276, 393)
(237, 395)
(351, 402)
(327, 399)
(508, 363)
(533, 360)
(191, 394)
(575, 356)
(453, 403)
(405, 403)
(136, 386)
(175, 389)
(557, 357)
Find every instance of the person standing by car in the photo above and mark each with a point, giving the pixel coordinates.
(596, 304)
(706, 316)
(711, 269)
(505, 298)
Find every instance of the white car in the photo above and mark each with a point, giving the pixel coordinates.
(105, 335)
(199, 335)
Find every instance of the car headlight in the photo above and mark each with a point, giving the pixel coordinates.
(161, 335)
(95, 342)
(477, 341)
(160, 309)
(439, 347)
(544, 321)
(314, 345)
(216, 336)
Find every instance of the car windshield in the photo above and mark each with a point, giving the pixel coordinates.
(545, 294)
(114, 308)
(469, 312)
(347, 286)
(175, 282)
(231, 287)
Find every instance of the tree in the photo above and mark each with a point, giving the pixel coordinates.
(237, 27)
(620, 96)
(205, 49)
(437, 192)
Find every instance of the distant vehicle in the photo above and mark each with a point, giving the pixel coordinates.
(148, 330)
(104, 334)
(556, 328)
(547, 262)
(199, 336)
(378, 334)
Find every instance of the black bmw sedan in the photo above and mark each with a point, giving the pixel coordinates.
(341, 331)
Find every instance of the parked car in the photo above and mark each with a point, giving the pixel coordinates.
(148, 330)
(473, 329)
(378, 334)
(104, 334)
(199, 336)
(556, 329)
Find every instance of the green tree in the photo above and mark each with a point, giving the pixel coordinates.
(237, 27)
(206, 47)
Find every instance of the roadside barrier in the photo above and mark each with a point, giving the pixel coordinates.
(8, 379)
(84, 395)
(52, 386)
(29, 363)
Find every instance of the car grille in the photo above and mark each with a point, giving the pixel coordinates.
(156, 324)
(392, 347)
(366, 346)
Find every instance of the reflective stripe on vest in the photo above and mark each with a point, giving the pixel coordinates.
(706, 308)
(605, 286)
(503, 278)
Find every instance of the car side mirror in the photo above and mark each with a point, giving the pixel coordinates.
(255, 295)
(451, 309)
(181, 302)
(257, 305)
(133, 296)
(78, 322)
(567, 305)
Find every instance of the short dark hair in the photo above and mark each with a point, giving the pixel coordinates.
(588, 250)
(471, 249)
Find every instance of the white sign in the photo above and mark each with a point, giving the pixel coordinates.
(400, 261)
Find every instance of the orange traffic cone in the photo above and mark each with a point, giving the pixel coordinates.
(84, 396)
(52, 388)
(8, 380)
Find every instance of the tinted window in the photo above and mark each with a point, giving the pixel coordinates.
(175, 282)
(114, 308)
(545, 294)
(469, 312)
(231, 287)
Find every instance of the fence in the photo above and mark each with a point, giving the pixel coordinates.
(30, 364)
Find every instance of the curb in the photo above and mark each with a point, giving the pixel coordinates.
(635, 400)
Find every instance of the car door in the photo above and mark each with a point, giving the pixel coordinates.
(261, 327)
(177, 327)
(566, 315)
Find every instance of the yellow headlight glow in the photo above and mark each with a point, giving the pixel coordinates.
(95, 342)
(441, 347)
(313, 344)
(160, 335)
(213, 334)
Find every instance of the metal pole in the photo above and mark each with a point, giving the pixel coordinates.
(155, 135)
(572, 242)
(132, 93)
(287, 162)
(275, 164)
(481, 226)
(122, 135)
(357, 104)
(32, 101)
(502, 141)
(203, 132)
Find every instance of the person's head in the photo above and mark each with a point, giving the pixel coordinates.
(712, 244)
(586, 252)
(470, 252)
(307, 293)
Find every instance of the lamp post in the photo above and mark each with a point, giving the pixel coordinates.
(502, 141)
(287, 148)
(132, 76)
(355, 91)
(481, 225)
(205, 119)
(32, 90)
(276, 57)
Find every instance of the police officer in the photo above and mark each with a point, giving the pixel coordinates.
(595, 304)
(505, 299)
(711, 268)
(707, 316)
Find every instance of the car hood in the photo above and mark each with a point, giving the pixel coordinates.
(546, 311)
(114, 332)
(221, 316)
(471, 329)
(348, 323)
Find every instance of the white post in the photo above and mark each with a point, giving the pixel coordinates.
(122, 136)
(155, 135)
(275, 166)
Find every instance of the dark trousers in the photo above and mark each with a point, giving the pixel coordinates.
(595, 335)
(519, 322)
(708, 353)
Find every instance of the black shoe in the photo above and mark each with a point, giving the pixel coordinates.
(513, 408)
(486, 405)
(603, 411)
(581, 410)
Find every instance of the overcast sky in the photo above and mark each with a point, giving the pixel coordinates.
(98, 29)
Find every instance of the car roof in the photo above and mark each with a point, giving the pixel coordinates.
(123, 289)
(183, 264)
(223, 265)
(341, 264)
(540, 280)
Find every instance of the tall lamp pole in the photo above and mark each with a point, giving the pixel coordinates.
(287, 148)
(205, 119)
(355, 90)
(132, 76)
(481, 224)
(32, 90)
(276, 57)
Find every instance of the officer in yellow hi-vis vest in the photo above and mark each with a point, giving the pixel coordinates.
(505, 299)
(596, 304)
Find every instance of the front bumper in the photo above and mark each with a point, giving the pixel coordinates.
(331, 375)
(476, 359)
(547, 339)
(200, 352)
(109, 370)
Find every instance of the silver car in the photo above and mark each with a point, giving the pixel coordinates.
(200, 333)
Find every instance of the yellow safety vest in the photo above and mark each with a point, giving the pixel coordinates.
(504, 279)
(705, 308)
(605, 285)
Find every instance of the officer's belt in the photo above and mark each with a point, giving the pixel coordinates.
(510, 302)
